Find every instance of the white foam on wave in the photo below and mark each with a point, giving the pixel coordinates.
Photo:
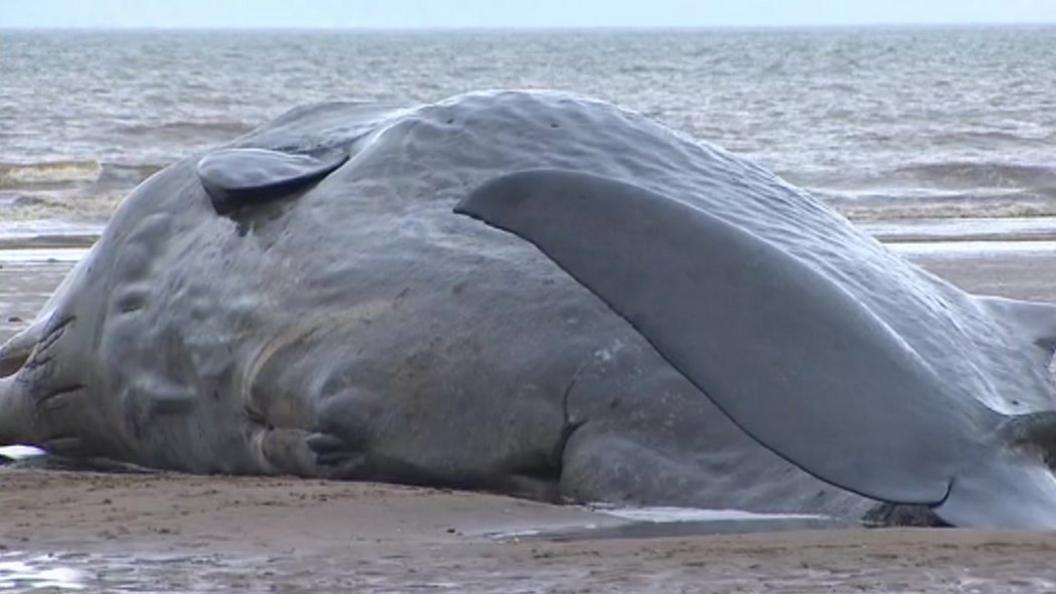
(1014, 206)
(48, 172)
(42, 255)
(34, 228)
(975, 248)
(962, 228)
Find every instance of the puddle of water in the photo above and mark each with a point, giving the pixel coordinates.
(685, 514)
(26, 457)
(149, 572)
(661, 522)
(21, 573)
(687, 529)
(64, 571)
(20, 452)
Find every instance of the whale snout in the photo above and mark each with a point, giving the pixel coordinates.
(37, 391)
(15, 420)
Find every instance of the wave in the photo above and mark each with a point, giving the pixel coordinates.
(119, 174)
(946, 210)
(967, 175)
(18, 175)
(959, 138)
(186, 129)
(90, 206)
(923, 181)
(950, 189)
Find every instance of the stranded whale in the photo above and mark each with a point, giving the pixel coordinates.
(539, 294)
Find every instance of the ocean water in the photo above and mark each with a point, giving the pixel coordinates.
(882, 123)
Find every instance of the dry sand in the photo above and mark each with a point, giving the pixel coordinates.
(177, 533)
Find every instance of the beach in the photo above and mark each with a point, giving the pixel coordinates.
(167, 532)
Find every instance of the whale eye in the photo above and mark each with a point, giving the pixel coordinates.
(235, 178)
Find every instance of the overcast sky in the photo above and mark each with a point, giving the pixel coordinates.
(513, 13)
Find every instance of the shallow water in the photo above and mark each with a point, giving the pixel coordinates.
(38, 255)
(47, 233)
(131, 572)
(975, 248)
(962, 229)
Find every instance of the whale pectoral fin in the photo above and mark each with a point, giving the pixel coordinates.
(234, 178)
(791, 357)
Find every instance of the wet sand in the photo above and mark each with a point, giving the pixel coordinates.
(167, 532)
(174, 533)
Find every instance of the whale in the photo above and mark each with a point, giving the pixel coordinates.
(539, 294)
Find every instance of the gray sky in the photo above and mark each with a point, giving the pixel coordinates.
(513, 13)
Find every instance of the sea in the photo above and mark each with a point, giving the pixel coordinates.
(885, 124)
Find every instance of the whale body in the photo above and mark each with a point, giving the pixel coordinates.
(539, 294)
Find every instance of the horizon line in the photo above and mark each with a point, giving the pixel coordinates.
(517, 28)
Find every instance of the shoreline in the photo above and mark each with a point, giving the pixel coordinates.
(62, 235)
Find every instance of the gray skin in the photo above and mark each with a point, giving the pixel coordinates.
(288, 310)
